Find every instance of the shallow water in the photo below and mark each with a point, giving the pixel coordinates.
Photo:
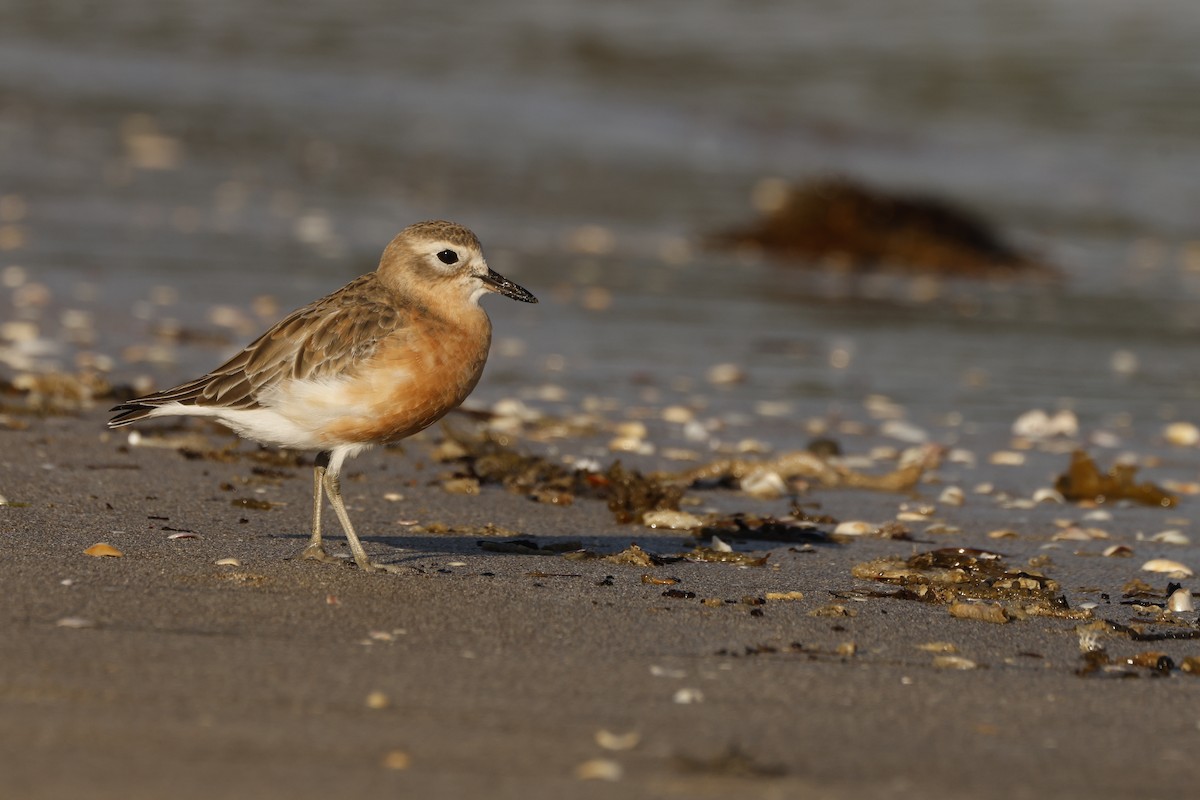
(231, 150)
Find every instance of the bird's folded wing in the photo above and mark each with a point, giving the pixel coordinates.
(326, 338)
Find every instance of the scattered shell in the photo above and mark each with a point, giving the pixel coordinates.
(1076, 534)
(1037, 424)
(1182, 434)
(1007, 458)
(1190, 665)
(1118, 551)
(1047, 495)
(764, 484)
(784, 595)
(227, 562)
(833, 611)
(1003, 533)
(1181, 600)
(74, 622)
(599, 769)
(942, 529)
(938, 647)
(631, 444)
(904, 431)
(666, 672)
(953, 662)
(855, 527)
(687, 695)
(393, 497)
(671, 520)
(959, 455)
(632, 429)
(395, 759)
(1098, 515)
(984, 488)
(103, 550)
(678, 414)
(1171, 537)
(1167, 565)
(377, 700)
(952, 496)
(617, 741)
(992, 612)
(847, 649)
(720, 545)
(469, 486)
(725, 374)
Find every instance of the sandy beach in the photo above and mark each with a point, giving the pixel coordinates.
(473, 672)
(935, 612)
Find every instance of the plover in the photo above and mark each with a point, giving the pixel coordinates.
(380, 359)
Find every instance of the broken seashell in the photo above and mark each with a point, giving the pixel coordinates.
(631, 444)
(854, 528)
(952, 496)
(1180, 601)
(720, 545)
(1171, 537)
(904, 431)
(671, 520)
(764, 485)
(1182, 434)
(1047, 495)
(953, 662)
(992, 612)
(103, 550)
(1118, 551)
(1037, 424)
(1168, 566)
(599, 769)
(725, 374)
(617, 741)
(678, 414)
(227, 562)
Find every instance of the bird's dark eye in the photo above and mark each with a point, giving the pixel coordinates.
(448, 257)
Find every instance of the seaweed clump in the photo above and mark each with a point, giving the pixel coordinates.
(1084, 481)
(629, 494)
(842, 222)
(975, 584)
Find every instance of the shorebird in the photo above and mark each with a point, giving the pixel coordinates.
(380, 359)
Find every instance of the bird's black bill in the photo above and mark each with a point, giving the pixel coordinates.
(498, 283)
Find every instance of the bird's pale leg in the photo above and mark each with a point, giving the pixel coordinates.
(315, 549)
(333, 487)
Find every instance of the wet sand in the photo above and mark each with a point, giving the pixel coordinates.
(477, 673)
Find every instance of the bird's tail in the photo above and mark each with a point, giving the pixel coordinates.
(130, 412)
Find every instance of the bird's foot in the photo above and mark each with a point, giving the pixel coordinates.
(316, 552)
(375, 566)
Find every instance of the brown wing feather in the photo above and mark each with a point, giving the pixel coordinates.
(327, 337)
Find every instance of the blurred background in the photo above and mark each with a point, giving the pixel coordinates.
(177, 174)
